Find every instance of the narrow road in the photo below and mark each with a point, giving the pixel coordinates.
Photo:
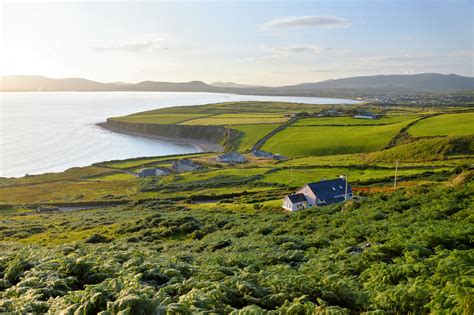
(262, 141)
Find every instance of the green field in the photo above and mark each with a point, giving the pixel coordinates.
(131, 163)
(350, 121)
(252, 133)
(299, 177)
(331, 140)
(161, 119)
(461, 124)
(225, 120)
(426, 149)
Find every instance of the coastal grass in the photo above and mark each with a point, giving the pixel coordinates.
(240, 108)
(114, 177)
(460, 124)
(331, 140)
(67, 191)
(136, 162)
(70, 174)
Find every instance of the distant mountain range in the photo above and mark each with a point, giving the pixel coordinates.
(234, 85)
(354, 86)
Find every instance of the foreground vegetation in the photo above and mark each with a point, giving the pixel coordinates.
(215, 240)
(409, 251)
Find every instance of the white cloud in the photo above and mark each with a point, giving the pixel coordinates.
(299, 49)
(323, 21)
(147, 45)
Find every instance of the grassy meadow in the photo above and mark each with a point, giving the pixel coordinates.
(331, 140)
(349, 121)
(461, 124)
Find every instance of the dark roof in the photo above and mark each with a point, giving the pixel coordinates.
(261, 153)
(231, 156)
(327, 190)
(297, 198)
(147, 172)
(186, 162)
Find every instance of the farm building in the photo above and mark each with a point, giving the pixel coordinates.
(231, 157)
(185, 166)
(322, 193)
(366, 115)
(152, 172)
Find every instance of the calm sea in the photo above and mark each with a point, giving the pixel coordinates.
(44, 132)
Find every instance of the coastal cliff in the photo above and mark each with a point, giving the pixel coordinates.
(206, 138)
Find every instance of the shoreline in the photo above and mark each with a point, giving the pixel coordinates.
(200, 145)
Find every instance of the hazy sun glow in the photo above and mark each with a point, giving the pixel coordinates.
(250, 42)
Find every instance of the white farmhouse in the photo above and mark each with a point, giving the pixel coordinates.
(322, 193)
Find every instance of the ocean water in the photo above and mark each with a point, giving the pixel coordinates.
(44, 132)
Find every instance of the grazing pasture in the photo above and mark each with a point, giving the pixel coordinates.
(161, 119)
(230, 119)
(331, 140)
(460, 124)
(298, 177)
(351, 121)
(251, 135)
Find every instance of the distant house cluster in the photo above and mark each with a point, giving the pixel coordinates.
(322, 193)
(231, 158)
(267, 155)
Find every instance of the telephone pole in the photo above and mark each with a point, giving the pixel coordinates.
(347, 180)
(395, 180)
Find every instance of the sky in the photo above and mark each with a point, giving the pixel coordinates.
(253, 42)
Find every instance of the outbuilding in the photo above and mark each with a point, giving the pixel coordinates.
(184, 165)
(152, 172)
(295, 202)
(231, 157)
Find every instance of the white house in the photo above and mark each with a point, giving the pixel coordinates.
(322, 193)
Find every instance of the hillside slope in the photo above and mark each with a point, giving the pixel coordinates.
(427, 82)
(401, 83)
